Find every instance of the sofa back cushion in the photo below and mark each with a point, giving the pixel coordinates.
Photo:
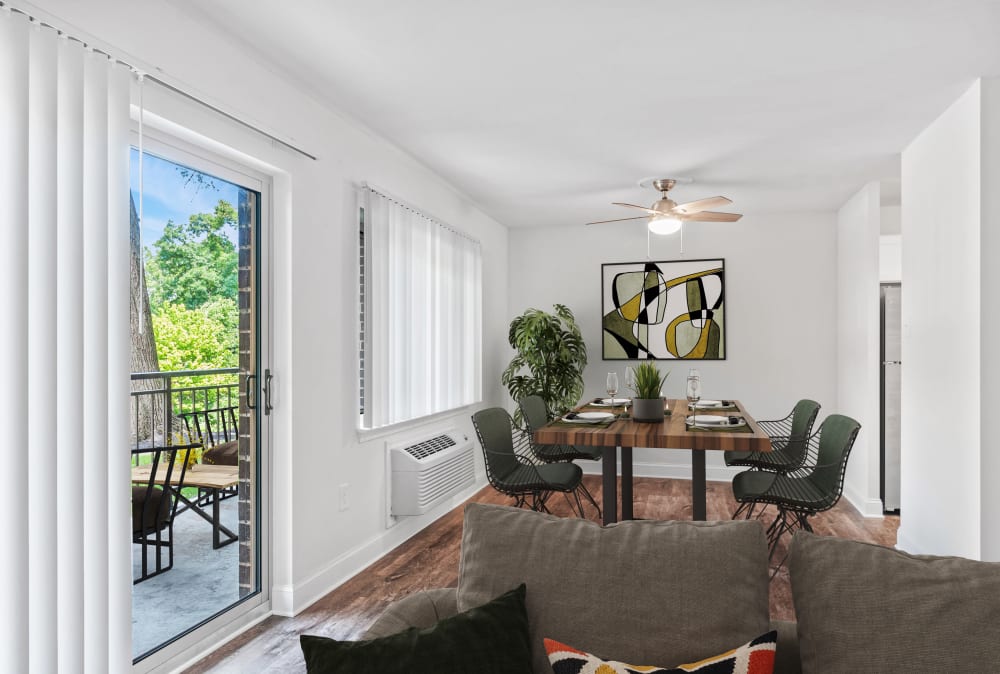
(866, 608)
(639, 591)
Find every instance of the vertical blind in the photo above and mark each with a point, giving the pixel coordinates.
(64, 507)
(423, 289)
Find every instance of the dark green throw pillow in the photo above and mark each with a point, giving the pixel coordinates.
(485, 639)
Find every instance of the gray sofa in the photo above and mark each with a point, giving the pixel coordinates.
(664, 593)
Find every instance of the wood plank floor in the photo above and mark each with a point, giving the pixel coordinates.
(430, 559)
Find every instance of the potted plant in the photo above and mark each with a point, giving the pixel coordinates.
(550, 359)
(647, 405)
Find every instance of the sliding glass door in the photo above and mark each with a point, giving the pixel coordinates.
(198, 393)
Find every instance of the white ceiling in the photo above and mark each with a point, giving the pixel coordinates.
(545, 111)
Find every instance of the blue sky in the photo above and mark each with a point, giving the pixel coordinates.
(167, 197)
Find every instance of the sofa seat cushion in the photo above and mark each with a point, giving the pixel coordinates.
(487, 639)
(645, 591)
(866, 608)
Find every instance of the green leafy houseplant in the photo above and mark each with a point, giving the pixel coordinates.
(648, 381)
(551, 355)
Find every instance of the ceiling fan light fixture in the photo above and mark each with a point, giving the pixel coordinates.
(664, 225)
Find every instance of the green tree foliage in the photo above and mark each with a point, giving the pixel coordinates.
(194, 262)
(191, 274)
(195, 339)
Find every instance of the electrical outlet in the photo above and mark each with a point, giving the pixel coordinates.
(345, 500)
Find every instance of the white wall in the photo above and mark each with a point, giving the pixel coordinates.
(989, 241)
(858, 363)
(948, 380)
(780, 309)
(315, 445)
(890, 258)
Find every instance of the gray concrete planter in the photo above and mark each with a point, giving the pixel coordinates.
(647, 409)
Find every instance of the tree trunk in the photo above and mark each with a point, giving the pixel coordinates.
(147, 410)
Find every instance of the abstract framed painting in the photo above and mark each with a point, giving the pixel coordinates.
(670, 310)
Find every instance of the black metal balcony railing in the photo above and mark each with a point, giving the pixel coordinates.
(159, 399)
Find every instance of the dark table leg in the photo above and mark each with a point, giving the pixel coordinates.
(698, 485)
(218, 529)
(216, 544)
(609, 476)
(626, 483)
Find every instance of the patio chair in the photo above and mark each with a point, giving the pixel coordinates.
(535, 415)
(814, 487)
(789, 440)
(218, 430)
(513, 472)
(154, 505)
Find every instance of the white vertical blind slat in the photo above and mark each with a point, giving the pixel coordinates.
(95, 362)
(13, 337)
(424, 285)
(69, 356)
(41, 447)
(119, 345)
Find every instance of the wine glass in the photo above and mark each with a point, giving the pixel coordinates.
(630, 378)
(612, 388)
(693, 391)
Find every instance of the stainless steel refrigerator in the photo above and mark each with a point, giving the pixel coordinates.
(891, 366)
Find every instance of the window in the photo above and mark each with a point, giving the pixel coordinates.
(421, 310)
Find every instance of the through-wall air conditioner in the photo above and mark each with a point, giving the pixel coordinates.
(428, 471)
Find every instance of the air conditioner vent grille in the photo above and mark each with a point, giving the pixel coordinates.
(430, 447)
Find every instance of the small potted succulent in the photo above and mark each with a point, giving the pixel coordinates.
(647, 404)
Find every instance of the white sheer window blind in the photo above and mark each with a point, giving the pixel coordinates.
(422, 290)
(64, 270)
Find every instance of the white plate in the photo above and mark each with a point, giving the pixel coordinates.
(711, 420)
(712, 405)
(608, 402)
(594, 416)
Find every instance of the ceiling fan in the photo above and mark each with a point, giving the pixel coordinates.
(666, 215)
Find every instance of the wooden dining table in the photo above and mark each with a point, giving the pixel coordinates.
(672, 433)
(206, 477)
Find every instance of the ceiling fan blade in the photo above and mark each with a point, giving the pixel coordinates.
(601, 222)
(641, 208)
(702, 205)
(711, 216)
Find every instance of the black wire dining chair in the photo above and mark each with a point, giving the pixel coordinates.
(789, 440)
(535, 415)
(512, 471)
(814, 487)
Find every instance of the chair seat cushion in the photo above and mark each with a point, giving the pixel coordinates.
(751, 484)
(557, 476)
(867, 608)
(152, 517)
(643, 591)
(226, 454)
(733, 458)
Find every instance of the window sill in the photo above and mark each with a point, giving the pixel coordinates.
(367, 434)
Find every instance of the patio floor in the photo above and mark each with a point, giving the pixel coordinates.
(201, 583)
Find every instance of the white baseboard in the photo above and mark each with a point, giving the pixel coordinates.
(677, 471)
(289, 600)
(868, 507)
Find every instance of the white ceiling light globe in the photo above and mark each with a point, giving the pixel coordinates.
(664, 225)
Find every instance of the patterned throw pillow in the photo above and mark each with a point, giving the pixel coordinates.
(753, 657)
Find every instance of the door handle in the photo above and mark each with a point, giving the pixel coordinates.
(892, 362)
(267, 392)
(251, 403)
